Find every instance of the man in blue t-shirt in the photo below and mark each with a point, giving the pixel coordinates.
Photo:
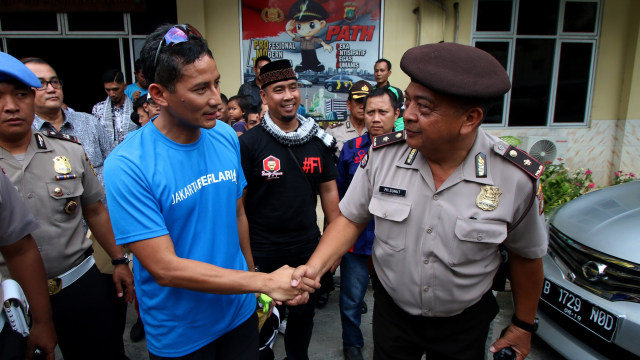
(174, 190)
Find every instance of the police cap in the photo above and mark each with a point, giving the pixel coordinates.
(457, 70)
(359, 89)
(307, 10)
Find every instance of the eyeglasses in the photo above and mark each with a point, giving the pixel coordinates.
(176, 35)
(55, 83)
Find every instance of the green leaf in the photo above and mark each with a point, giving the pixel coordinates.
(511, 140)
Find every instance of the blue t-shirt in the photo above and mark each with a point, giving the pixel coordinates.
(131, 88)
(155, 187)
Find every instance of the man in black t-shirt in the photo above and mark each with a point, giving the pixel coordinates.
(287, 161)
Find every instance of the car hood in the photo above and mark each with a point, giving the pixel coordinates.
(606, 220)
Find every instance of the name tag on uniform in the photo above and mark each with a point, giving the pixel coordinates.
(392, 191)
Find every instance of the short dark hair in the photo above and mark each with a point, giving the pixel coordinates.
(113, 75)
(137, 65)
(381, 91)
(261, 58)
(35, 60)
(243, 101)
(463, 104)
(224, 99)
(166, 71)
(139, 103)
(251, 110)
(383, 60)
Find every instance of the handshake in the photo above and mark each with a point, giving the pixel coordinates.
(292, 285)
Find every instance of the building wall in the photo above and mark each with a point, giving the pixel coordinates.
(610, 142)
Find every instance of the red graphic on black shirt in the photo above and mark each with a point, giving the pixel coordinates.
(271, 167)
(311, 164)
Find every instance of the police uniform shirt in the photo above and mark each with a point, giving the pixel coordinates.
(16, 220)
(55, 202)
(343, 133)
(436, 251)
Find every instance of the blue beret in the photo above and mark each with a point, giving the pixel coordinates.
(12, 68)
(457, 70)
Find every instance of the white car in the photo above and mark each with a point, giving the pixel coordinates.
(590, 303)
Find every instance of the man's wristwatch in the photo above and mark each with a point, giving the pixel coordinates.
(121, 261)
(525, 325)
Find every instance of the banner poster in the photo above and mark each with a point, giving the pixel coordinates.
(331, 44)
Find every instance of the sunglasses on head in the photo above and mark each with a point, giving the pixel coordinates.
(176, 35)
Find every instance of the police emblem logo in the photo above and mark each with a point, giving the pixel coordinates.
(364, 161)
(489, 198)
(61, 165)
(272, 15)
(70, 207)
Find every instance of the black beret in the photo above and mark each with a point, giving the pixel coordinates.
(276, 71)
(307, 10)
(457, 70)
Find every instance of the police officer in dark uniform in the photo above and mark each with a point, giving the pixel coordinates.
(444, 197)
(57, 182)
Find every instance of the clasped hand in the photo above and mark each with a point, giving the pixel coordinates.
(285, 286)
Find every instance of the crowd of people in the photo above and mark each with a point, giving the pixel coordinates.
(215, 199)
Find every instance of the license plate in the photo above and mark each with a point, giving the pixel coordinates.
(595, 319)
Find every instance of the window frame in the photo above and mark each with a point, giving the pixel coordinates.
(560, 38)
(128, 42)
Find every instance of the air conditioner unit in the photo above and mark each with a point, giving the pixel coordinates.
(545, 149)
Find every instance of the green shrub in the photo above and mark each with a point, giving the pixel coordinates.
(561, 185)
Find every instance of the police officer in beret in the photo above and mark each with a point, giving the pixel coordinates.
(56, 180)
(444, 195)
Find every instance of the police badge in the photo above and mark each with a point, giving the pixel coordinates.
(489, 198)
(61, 165)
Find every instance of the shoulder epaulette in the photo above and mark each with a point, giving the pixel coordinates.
(355, 143)
(61, 136)
(333, 126)
(521, 159)
(387, 139)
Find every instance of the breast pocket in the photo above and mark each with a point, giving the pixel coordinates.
(390, 216)
(61, 194)
(477, 240)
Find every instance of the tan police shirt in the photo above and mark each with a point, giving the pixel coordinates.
(344, 132)
(436, 251)
(61, 237)
(16, 220)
